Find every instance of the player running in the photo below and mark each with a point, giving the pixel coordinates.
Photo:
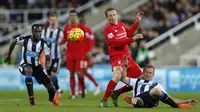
(147, 93)
(32, 46)
(53, 34)
(74, 53)
(89, 44)
(117, 40)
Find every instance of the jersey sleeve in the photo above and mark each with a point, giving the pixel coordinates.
(19, 40)
(132, 81)
(130, 30)
(46, 49)
(61, 36)
(112, 40)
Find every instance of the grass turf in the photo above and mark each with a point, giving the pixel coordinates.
(17, 101)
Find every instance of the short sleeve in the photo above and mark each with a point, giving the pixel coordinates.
(19, 40)
(132, 81)
(61, 36)
(46, 49)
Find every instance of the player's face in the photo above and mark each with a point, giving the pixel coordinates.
(73, 17)
(112, 17)
(37, 32)
(148, 73)
(53, 20)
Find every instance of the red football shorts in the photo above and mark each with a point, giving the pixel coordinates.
(133, 70)
(74, 65)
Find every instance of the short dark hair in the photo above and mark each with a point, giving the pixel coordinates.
(73, 11)
(149, 66)
(34, 26)
(109, 9)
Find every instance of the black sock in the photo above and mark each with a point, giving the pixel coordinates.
(51, 91)
(166, 99)
(55, 82)
(29, 84)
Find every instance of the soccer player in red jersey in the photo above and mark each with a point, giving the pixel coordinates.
(74, 53)
(117, 40)
(89, 44)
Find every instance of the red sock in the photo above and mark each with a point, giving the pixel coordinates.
(124, 89)
(92, 79)
(72, 85)
(110, 87)
(81, 82)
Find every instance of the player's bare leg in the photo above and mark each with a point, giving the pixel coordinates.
(29, 83)
(117, 74)
(158, 94)
(54, 80)
(51, 90)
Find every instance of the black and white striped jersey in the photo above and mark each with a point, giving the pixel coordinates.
(30, 50)
(140, 86)
(53, 36)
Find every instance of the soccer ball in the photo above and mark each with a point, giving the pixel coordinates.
(76, 35)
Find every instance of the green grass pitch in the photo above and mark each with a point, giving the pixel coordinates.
(17, 101)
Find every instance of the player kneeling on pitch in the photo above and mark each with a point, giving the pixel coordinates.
(148, 93)
(32, 47)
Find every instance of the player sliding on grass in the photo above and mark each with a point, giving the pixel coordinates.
(32, 47)
(147, 93)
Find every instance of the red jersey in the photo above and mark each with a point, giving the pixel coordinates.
(89, 40)
(73, 50)
(117, 38)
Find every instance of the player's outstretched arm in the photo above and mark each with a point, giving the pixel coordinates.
(7, 57)
(130, 31)
(124, 41)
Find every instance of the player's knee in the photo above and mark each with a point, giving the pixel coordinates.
(28, 70)
(156, 92)
(117, 74)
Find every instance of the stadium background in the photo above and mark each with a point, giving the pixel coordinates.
(170, 28)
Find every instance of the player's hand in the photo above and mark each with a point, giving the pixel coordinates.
(193, 102)
(139, 16)
(138, 36)
(125, 61)
(6, 59)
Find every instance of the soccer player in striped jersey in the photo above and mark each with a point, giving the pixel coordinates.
(32, 47)
(147, 94)
(53, 35)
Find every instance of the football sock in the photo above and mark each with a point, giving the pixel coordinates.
(55, 82)
(110, 87)
(166, 99)
(124, 89)
(51, 91)
(89, 76)
(72, 84)
(81, 81)
(29, 84)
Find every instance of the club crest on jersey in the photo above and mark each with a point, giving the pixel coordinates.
(110, 35)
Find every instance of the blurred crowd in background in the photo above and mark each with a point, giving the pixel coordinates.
(160, 16)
